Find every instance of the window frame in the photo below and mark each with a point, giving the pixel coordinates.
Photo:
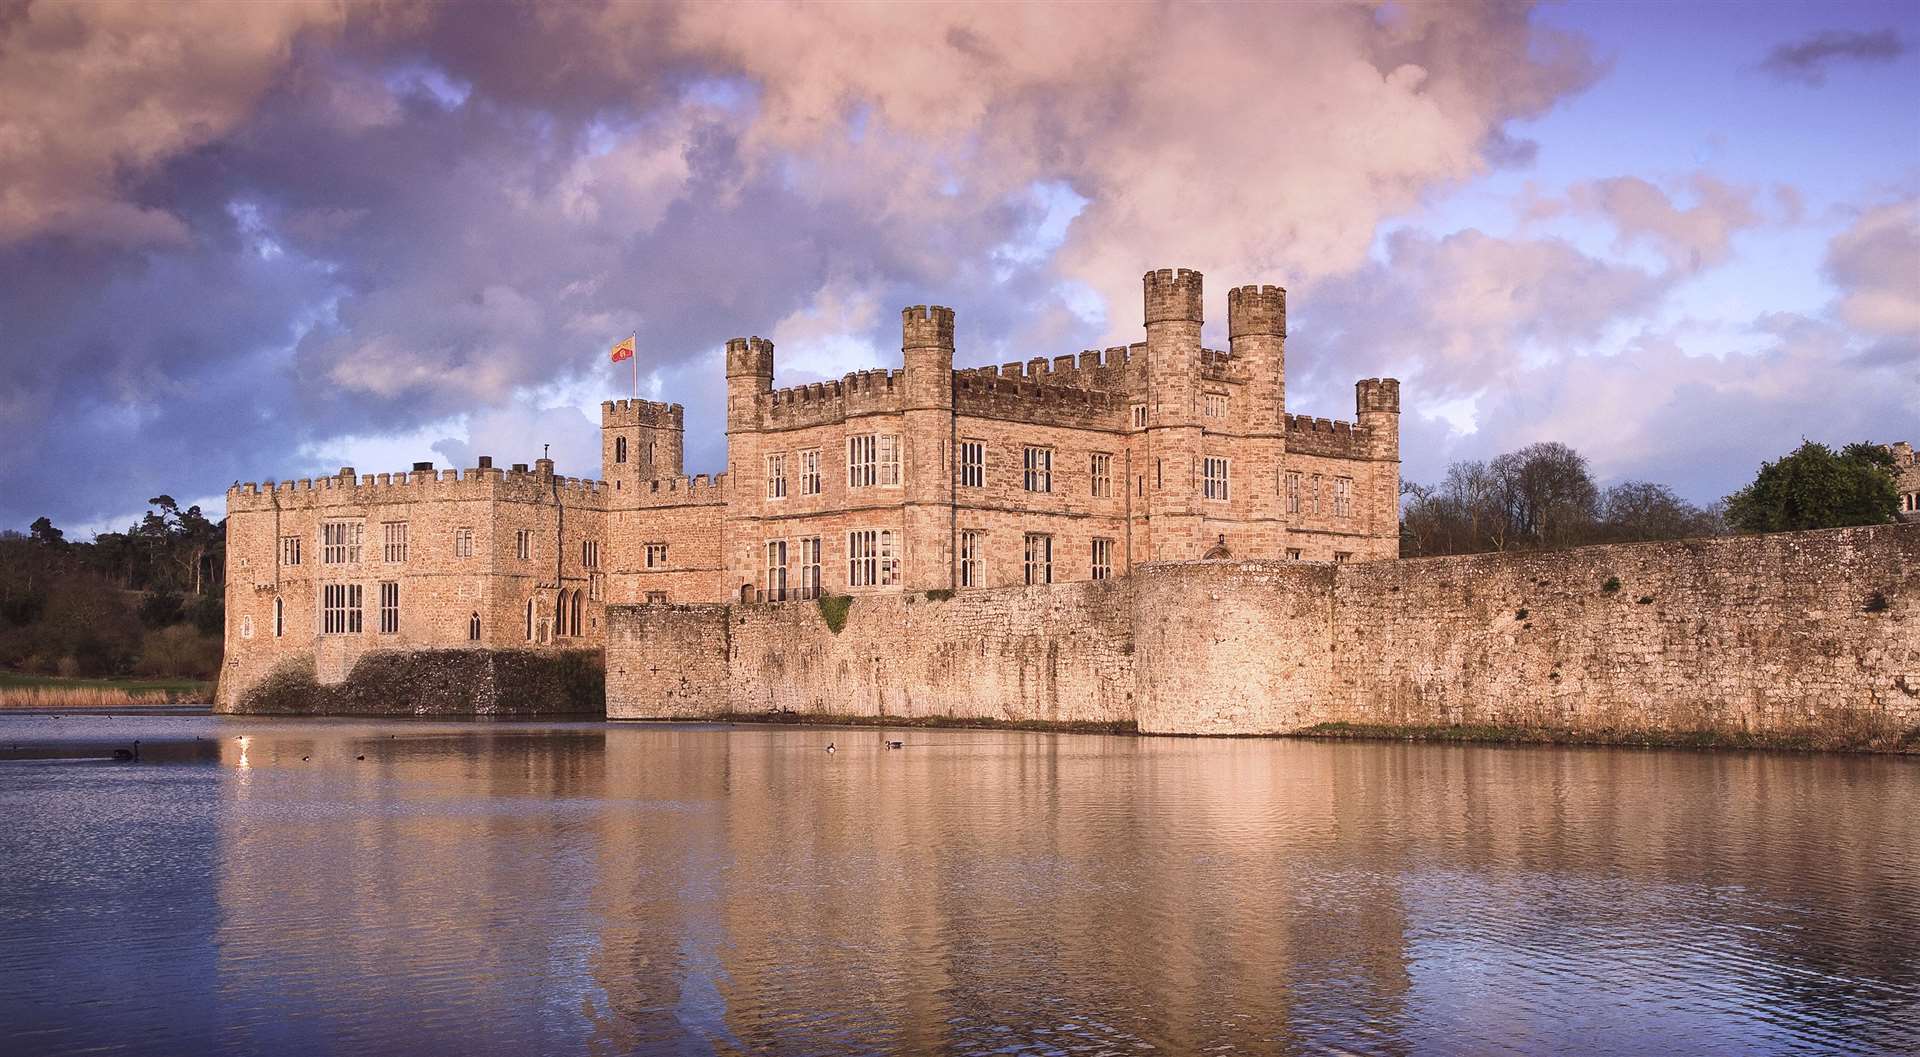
(1100, 474)
(973, 463)
(389, 607)
(776, 463)
(1038, 462)
(1102, 558)
(973, 557)
(1040, 543)
(1216, 478)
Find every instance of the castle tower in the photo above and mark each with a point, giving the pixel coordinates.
(749, 379)
(1172, 451)
(1257, 334)
(1377, 410)
(926, 347)
(640, 440)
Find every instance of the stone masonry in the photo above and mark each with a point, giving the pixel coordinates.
(1810, 637)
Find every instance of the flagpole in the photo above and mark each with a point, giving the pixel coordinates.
(636, 368)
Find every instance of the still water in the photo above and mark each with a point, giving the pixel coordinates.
(541, 888)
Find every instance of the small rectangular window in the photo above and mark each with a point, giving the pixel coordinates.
(973, 463)
(389, 607)
(340, 542)
(340, 609)
(393, 541)
(810, 472)
(1215, 478)
(1215, 405)
(463, 543)
(523, 544)
(973, 558)
(889, 458)
(861, 469)
(1313, 496)
(1039, 558)
(1293, 492)
(810, 567)
(656, 598)
(1342, 496)
(1101, 472)
(1039, 465)
(1342, 557)
(590, 554)
(1139, 416)
(1102, 559)
(656, 555)
(289, 550)
(863, 558)
(777, 475)
(1293, 554)
(776, 582)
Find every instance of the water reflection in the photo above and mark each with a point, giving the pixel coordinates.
(518, 888)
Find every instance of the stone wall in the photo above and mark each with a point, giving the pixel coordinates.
(1803, 638)
(431, 682)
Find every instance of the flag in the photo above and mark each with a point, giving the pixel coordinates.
(623, 351)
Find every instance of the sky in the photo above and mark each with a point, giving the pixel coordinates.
(255, 241)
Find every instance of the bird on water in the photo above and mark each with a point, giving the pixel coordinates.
(830, 749)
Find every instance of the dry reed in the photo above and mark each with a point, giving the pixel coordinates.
(83, 697)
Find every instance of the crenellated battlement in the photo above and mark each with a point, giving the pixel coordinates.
(650, 413)
(1377, 394)
(1307, 435)
(750, 357)
(926, 326)
(860, 392)
(681, 490)
(415, 486)
(1173, 295)
(1015, 399)
(1093, 369)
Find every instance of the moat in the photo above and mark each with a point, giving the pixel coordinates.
(357, 886)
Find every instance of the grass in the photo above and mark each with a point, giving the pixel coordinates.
(21, 690)
(833, 610)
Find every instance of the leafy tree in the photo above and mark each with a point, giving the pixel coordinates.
(43, 532)
(1815, 487)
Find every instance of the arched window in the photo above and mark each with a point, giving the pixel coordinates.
(529, 620)
(560, 616)
(279, 617)
(473, 628)
(619, 449)
(573, 618)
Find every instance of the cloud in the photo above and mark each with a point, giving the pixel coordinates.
(1875, 263)
(230, 232)
(1808, 59)
(1691, 238)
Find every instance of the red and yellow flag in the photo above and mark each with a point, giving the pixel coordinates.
(623, 351)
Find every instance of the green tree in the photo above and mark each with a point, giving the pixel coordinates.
(1816, 487)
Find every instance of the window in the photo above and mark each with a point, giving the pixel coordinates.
(1216, 405)
(810, 567)
(463, 543)
(1215, 478)
(1039, 469)
(810, 472)
(873, 459)
(1342, 557)
(973, 558)
(573, 615)
(777, 475)
(871, 559)
(1342, 496)
(596, 586)
(1101, 472)
(1159, 474)
(1313, 496)
(619, 455)
(473, 628)
(389, 607)
(1039, 562)
(973, 463)
(279, 617)
(590, 554)
(530, 611)
(1102, 559)
(289, 550)
(1293, 554)
(1139, 416)
(246, 627)
(523, 544)
(656, 555)
(393, 542)
(340, 609)
(776, 570)
(340, 542)
(656, 598)
(1293, 493)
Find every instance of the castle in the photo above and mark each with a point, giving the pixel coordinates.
(920, 479)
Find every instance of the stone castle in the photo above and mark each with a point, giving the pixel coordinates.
(886, 482)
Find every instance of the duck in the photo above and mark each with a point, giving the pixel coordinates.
(362, 756)
(896, 744)
(123, 754)
(830, 748)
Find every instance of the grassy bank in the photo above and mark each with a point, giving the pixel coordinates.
(809, 719)
(20, 690)
(1653, 739)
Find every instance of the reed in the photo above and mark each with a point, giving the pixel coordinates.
(87, 697)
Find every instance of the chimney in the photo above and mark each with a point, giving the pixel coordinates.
(421, 467)
(486, 462)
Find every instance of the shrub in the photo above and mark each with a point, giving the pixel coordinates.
(939, 595)
(1612, 585)
(833, 610)
(1876, 603)
(1519, 614)
(1645, 600)
(159, 609)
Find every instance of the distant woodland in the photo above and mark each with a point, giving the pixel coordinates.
(144, 602)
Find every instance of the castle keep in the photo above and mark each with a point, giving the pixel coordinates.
(886, 482)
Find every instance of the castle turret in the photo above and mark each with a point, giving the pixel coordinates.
(1257, 333)
(640, 440)
(749, 378)
(1173, 316)
(926, 347)
(1376, 403)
